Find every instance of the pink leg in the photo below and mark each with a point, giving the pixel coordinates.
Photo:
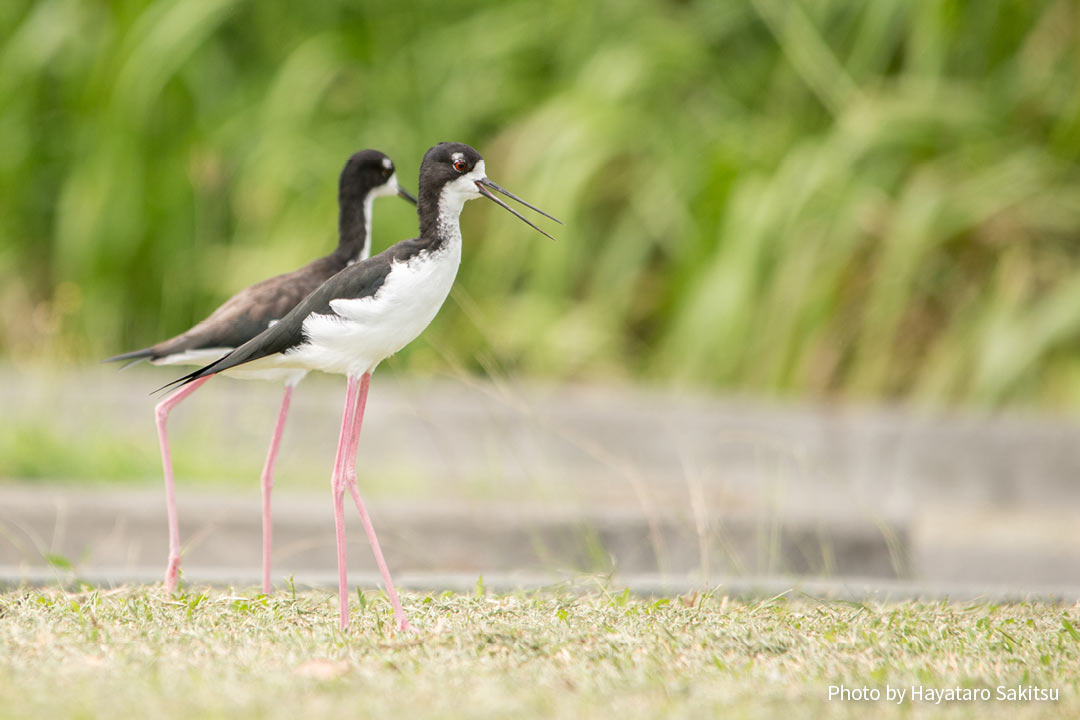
(350, 477)
(337, 487)
(268, 484)
(161, 415)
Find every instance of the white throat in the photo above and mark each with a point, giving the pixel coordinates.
(455, 194)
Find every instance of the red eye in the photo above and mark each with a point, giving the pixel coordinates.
(461, 166)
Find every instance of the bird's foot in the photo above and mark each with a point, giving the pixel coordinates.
(172, 574)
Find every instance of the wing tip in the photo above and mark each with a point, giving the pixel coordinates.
(182, 381)
(130, 358)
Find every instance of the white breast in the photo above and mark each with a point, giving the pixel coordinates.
(362, 332)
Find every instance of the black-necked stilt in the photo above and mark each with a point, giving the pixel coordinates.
(367, 175)
(368, 312)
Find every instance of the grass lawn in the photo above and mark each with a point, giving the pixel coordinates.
(137, 652)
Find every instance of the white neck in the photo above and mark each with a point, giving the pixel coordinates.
(450, 206)
(448, 226)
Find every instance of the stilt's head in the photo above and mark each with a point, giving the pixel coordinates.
(454, 173)
(369, 173)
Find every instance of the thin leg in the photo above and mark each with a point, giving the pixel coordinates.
(350, 477)
(161, 415)
(268, 484)
(337, 487)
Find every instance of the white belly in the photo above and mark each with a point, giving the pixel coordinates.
(361, 333)
(289, 376)
(203, 356)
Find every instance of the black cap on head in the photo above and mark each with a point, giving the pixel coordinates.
(365, 170)
(437, 167)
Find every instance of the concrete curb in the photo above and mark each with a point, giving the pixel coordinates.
(94, 529)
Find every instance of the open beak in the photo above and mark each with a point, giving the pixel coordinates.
(403, 193)
(483, 184)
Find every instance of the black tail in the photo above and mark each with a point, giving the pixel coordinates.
(190, 377)
(239, 356)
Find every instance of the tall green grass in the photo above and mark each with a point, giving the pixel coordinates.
(869, 199)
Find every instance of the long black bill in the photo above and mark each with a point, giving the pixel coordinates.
(481, 186)
(512, 196)
(402, 192)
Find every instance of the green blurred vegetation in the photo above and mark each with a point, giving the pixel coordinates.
(826, 198)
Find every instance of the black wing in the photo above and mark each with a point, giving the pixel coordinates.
(362, 279)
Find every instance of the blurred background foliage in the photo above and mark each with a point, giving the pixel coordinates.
(861, 199)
